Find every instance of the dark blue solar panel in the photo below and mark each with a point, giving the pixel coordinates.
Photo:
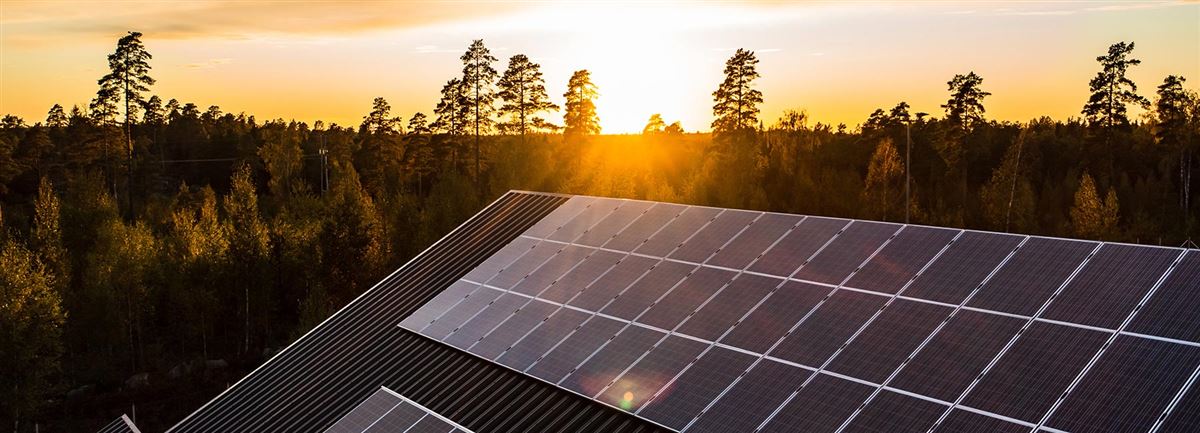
(559, 216)
(515, 327)
(645, 291)
(709, 239)
(463, 311)
(650, 374)
(1185, 416)
(962, 421)
(686, 298)
(613, 223)
(594, 213)
(821, 406)
(1127, 388)
(800, 244)
(677, 231)
(645, 226)
(901, 259)
(1031, 375)
(515, 272)
(889, 340)
(491, 316)
(552, 270)
(892, 412)
(754, 240)
(572, 350)
(962, 267)
(1111, 285)
(616, 280)
(366, 413)
(830, 326)
(1171, 311)
(399, 419)
(957, 354)
(490, 267)
(775, 316)
(725, 309)
(429, 424)
(421, 318)
(542, 339)
(1012, 290)
(603, 367)
(677, 406)
(574, 281)
(847, 252)
(752, 398)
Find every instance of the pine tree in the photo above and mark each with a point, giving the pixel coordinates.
(655, 125)
(419, 152)
(1173, 131)
(1111, 90)
(736, 99)
(126, 83)
(451, 109)
(56, 118)
(965, 107)
(478, 79)
(580, 119)
(524, 94)
(381, 153)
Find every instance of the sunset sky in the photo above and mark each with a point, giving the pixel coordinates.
(309, 60)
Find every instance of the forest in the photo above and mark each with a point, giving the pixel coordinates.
(152, 251)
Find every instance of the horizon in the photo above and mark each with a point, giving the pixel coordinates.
(814, 55)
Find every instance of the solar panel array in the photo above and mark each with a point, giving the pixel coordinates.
(120, 425)
(385, 411)
(701, 319)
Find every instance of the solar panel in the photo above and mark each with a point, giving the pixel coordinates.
(385, 411)
(119, 425)
(705, 320)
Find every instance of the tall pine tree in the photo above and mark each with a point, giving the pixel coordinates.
(524, 94)
(736, 100)
(479, 78)
(580, 119)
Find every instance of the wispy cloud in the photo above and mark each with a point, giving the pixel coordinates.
(209, 64)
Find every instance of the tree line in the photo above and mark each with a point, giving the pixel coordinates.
(140, 235)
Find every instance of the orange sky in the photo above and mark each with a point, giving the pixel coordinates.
(309, 60)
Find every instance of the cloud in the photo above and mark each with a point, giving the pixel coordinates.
(209, 64)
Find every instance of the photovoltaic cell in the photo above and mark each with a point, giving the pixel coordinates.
(728, 306)
(388, 412)
(820, 406)
(430, 424)
(754, 240)
(957, 354)
(652, 372)
(613, 223)
(892, 412)
(522, 267)
(752, 398)
(1171, 311)
(367, 413)
(575, 280)
(962, 421)
(830, 326)
(699, 384)
(515, 327)
(686, 297)
(645, 291)
(846, 252)
(641, 229)
(1127, 388)
(439, 304)
(492, 266)
(552, 270)
(1033, 273)
(463, 311)
(1185, 416)
(400, 418)
(487, 319)
(962, 267)
(771, 320)
(612, 283)
(677, 231)
(1031, 375)
(603, 367)
(901, 259)
(1111, 284)
(889, 339)
(593, 214)
(559, 216)
(571, 351)
(709, 239)
(542, 339)
(799, 244)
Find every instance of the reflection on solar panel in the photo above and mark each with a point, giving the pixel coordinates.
(706, 320)
(120, 425)
(385, 411)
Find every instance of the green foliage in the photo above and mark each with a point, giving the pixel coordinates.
(581, 119)
(31, 321)
(884, 191)
(1112, 90)
(1091, 217)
